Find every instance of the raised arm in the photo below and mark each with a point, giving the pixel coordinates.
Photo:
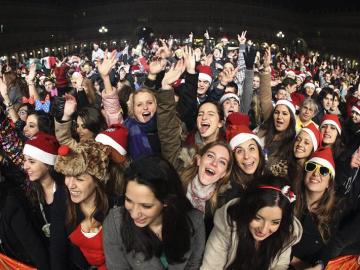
(265, 87)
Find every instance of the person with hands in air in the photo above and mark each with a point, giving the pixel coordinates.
(111, 106)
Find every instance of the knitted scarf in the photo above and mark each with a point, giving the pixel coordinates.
(138, 141)
(198, 194)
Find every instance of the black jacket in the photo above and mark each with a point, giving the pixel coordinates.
(20, 233)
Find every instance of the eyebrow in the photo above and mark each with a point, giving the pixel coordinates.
(271, 220)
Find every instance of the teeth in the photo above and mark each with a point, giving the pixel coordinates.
(210, 171)
(146, 114)
(75, 193)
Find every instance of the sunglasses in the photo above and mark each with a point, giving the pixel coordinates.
(312, 166)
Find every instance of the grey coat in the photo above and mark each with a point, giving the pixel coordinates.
(118, 259)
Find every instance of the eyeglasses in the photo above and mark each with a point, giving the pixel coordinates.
(312, 166)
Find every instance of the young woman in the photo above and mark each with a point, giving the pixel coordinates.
(141, 123)
(307, 141)
(277, 135)
(247, 152)
(35, 122)
(330, 128)
(256, 231)
(316, 207)
(157, 228)
(25, 220)
(89, 122)
(278, 131)
(78, 213)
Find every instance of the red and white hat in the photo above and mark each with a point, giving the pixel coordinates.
(297, 99)
(238, 131)
(331, 119)
(288, 104)
(205, 73)
(314, 133)
(356, 108)
(239, 134)
(324, 157)
(116, 136)
(42, 147)
(309, 84)
(227, 96)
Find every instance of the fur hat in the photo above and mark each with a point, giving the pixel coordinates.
(87, 157)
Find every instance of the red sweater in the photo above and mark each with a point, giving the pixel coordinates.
(91, 248)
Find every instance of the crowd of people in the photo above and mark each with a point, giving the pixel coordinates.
(180, 156)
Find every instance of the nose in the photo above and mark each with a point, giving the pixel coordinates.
(264, 227)
(26, 165)
(70, 182)
(246, 154)
(135, 212)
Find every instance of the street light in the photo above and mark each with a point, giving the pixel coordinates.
(280, 34)
(103, 30)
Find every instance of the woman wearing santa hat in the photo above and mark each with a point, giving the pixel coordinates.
(76, 238)
(278, 131)
(330, 128)
(317, 207)
(247, 152)
(27, 221)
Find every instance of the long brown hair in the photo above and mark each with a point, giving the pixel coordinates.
(323, 212)
(191, 171)
(101, 204)
(90, 90)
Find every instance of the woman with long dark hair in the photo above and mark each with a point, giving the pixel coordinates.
(256, 231)
(157, 228)
(78, 213)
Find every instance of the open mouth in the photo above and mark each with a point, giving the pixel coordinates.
(248, 165)
(209, 172)
(146, 115)
(74, 193)
(204, 127)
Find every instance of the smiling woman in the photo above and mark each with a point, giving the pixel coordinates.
(256, 231)
(157, 228)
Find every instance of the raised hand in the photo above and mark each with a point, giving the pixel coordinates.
(249, 57)
(69, 107)
(173, 74)
(156, 65)
(242, 38)
(3, 91)
(189, 58)
(227, 76)
(206, 35)
(163, 51)
(107, 64)
(32, 73)
(267, 58)
(209, 59)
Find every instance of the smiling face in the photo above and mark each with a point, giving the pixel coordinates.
(329, 134)
(213, 165)
(303, 146)
(208, 121)
(281, 118)
(355, 117)
(144, 106)
(36, 170)
(31, 127)
(247, 156)
(327, 101)
(266, 222)
(229, 106)
(315, 182)
(83, 132)
(203, 86)
(82, 188)
(306, 113)
(309, 91)
(144, 208)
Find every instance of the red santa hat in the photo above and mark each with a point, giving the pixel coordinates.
(356, 108)
(227, 96)
(237, 130)
(288, 104)
(331, 119)
(314, 133)
(205, 73)
(116, 136)
(42, 147)
(297, 99)
(324, 157)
